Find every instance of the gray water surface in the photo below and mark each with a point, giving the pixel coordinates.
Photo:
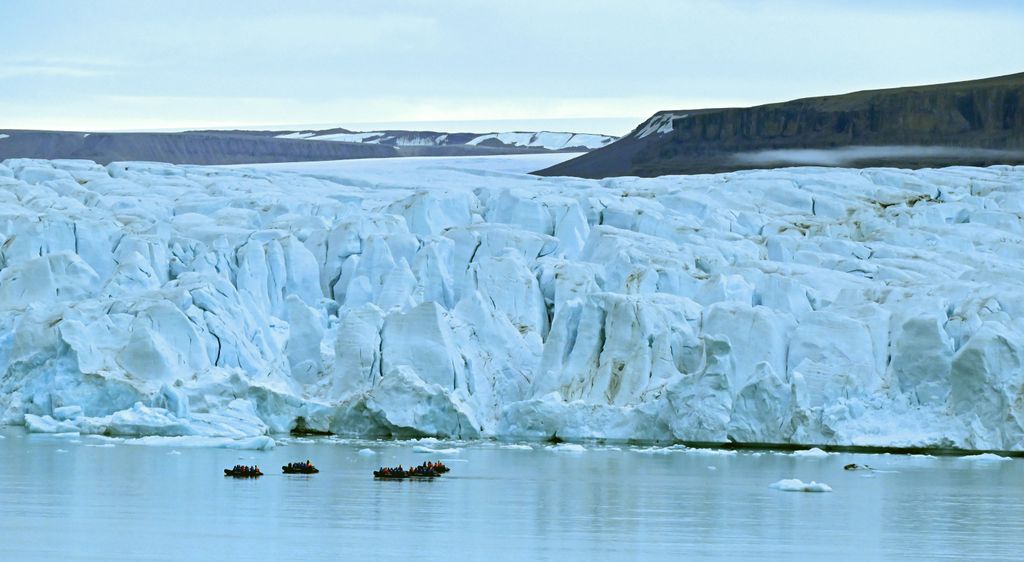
(84, 498)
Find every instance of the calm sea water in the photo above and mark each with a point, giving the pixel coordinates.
(81, 498)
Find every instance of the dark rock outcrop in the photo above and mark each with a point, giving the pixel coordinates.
(980, 122)
(245, 147)
(179, 148)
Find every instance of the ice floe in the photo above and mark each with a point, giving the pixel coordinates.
(986, 457)
(430, 451)
(567, 448)
(814, 452)
(796, 485)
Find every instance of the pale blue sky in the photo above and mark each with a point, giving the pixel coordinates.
(598, 66)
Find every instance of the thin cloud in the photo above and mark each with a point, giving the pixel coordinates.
(847, 155)
(64, 67)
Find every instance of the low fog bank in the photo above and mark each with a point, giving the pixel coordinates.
(851, 154)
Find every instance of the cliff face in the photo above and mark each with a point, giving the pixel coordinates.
(178, 148)
(979, 122)
(250, 147)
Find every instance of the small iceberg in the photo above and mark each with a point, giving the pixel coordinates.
(986, 457)
(797, 485)
(814, 453)
(654, 450)
(516, 447)
(567, 448)
(429, 451)
(366, 452)
(105, 439)
(709, 452)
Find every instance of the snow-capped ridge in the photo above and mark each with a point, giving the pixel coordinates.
(547, 140)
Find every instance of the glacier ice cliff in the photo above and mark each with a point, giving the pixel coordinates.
(876, 307)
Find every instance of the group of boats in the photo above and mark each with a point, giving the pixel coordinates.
(242, 471)
(425, 470)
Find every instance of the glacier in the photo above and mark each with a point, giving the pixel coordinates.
(464, 298)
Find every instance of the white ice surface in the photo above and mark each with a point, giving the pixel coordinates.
(659, 124)
(986, 457)
(546, 139)
(429, 451)
(567, 448)
(463, 298)
(796, 485)
(811, 453)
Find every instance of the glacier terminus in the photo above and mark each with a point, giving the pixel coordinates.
(465, 298)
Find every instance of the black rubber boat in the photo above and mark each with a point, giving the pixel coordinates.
(240, 474)
(406, 474)
(299, 469)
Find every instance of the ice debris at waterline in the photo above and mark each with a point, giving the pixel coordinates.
(825, 306)
(796, 485)
(986, 457)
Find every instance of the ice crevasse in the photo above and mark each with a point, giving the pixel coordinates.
(875, 307)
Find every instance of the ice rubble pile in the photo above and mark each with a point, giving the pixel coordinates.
(810, 305)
